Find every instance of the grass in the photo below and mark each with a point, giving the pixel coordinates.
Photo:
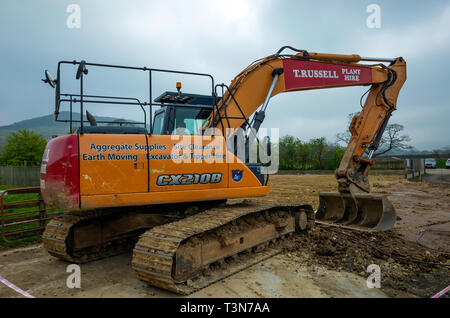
(24, 237)
(440, 162)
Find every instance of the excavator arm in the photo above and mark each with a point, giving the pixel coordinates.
(279, 73)
(249, 94)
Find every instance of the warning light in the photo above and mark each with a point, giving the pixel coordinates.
(178, 85)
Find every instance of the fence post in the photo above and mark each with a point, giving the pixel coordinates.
(42, 211)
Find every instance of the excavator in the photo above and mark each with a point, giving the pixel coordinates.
(147, 187)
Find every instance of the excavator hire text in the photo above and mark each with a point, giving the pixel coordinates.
(310, 74)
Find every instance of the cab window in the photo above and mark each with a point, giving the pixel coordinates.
(189, 119)
(158, 123)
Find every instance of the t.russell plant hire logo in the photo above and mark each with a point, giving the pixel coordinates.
(309, 74)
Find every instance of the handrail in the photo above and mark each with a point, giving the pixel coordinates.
(149, 103)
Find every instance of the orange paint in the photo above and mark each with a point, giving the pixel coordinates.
(124, 170)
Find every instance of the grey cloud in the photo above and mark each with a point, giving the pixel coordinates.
(223, 37)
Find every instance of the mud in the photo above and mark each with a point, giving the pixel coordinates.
(405, 268)
(420, 206)
(327, 262)
(440, 176)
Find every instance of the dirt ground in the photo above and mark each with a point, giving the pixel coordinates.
(326, 262)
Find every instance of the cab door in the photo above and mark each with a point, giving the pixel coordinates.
(113, 163)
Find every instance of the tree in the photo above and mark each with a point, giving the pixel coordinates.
(391, 139)
(345, 136)
(334, 156)
(304, 153)
(289, 146)
(23, 146)
(318, 151)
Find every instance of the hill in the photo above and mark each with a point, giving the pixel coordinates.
(46, 125)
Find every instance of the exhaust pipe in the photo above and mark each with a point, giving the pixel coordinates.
(362, 211)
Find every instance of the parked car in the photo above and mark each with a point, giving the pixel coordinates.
(447, 164)
(430, 163)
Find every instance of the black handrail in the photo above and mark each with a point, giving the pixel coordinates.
(116, 99)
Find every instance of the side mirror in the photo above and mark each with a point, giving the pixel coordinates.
(91, 119)
(81, 69)
(49, 79)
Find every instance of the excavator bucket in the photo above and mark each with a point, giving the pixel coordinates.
(362, 211)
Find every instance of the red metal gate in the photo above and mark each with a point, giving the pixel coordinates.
(24, 216)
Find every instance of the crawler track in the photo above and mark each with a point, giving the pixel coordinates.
(182, 250)
(85, 236)
(58, 239)
(191, 253)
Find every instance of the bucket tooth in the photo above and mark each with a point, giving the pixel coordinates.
(362, 211)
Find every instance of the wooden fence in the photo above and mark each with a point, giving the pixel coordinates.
(389, 164)
(19, 176)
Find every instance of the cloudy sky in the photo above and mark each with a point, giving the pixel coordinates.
(221, 38)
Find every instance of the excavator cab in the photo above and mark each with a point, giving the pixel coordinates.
(184, 113)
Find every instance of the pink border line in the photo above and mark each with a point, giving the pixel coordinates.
(442, 292)
(14, 287)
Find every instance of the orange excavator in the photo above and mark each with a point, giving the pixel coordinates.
(161, 188)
